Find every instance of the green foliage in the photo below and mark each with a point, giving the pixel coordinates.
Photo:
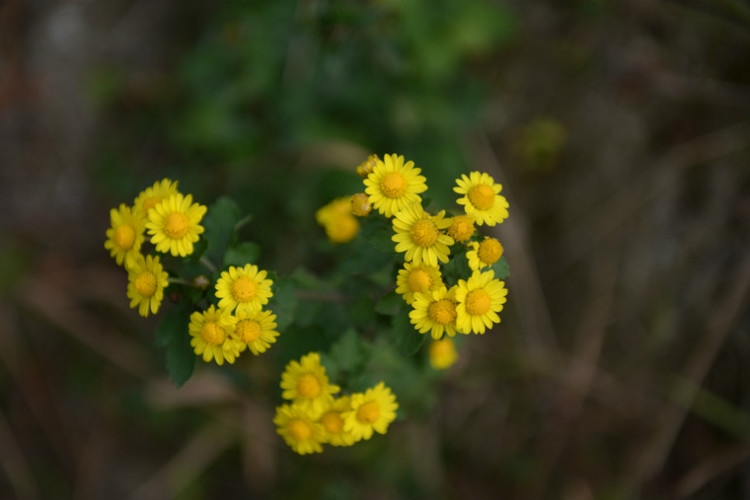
(171, 335)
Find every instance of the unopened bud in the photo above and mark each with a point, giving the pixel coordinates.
(361, 205)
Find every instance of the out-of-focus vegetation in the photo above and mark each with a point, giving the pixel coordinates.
(618, 129)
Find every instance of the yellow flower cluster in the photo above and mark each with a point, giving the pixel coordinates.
(172, 222)
(426, 239)
(315, 417)
(338, 220)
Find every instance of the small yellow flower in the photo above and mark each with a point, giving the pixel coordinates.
(337, 220)
(442, 353)
(482, 198)
(372, 410)
(461, 228)
(435, 312)
(333, 423)
(174, 224)
(245, 289)
(392, 185)
(299, 429)
(125, 237)
(255, 330)
(414, 278)
(146, 283)
(361, 206)
(152, 196)
(479, 299)
(367, 166)
(305, 383)
(419, 235)
(211, 333)
(484, 254)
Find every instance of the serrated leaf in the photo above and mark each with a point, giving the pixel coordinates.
(171, 324)
(406, 339)
(241, 254)
(501, 268)
(172, 334)
(219, 228)
(389, 304)
(348, 351)
(284, 302)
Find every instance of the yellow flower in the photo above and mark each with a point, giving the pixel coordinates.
(484, 254)
(174, 224)
(255, 330)
(392, 185)
(461, 228)
(146, 283)
(367, 166)
(245, 288)
(361, 206)
(417, 278)
(299, 429)
(482, 198)
(337, 220)
(442, 353)
(370, 411)
(419, 235)
(479, 299)
(152, 196)
(305, 383)
(211, 333)
(125, 237)
(333, 423)
(435, 312)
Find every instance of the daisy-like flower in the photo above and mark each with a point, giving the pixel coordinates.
(366, 167)
(299, 429)
(337, 220)
(245, 288)
(152, 196)
(125, 237)
(333, 422)
(419, 235)
(482, 198)
(414, 278)
(211, 333)
(392, 185)
(461, 228)
(305, 383)
(255, 330)
(370, 411)
(484, 254)
(435, 312)
(442, 353)
(174, 224)
(479, 299)
(147, 280)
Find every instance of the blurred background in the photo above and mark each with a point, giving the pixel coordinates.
(619, 130)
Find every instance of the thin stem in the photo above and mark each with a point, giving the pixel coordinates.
(208, 264)
(180, 281)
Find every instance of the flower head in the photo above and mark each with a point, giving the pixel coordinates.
(442, 353)
(174, 224)
(484, 253)
(479, 299)
(435, 312)
(125, 237)
(370, 411)
(152, 196)
(305, 383)
(392, 185)
(299, 429)
(211, 333)
(332, 421)
(419, 235)
(146, 283)
(245, 289)
(482, 198)
(461, 228)
(414, 278)
(255, 330)
(337, 220)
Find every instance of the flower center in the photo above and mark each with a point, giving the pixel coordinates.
(176, 225)
(461, 228)
(151, 202)
(368, 412)
(332, 422)
(490, 250)
(248, 330)
(299, 429)
(419, 280)
(424, 233)
(145, 284)
(212, 333)
(393, 185)
(442, 311)
(482, 196)
(243, 289)
(124, 236)
(308, 386)
(478, 302)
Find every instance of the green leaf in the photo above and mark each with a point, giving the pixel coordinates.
(284, 302)
(457, 267)
(172, 334)
(501, 268)
(348, 351)
(389, 304)
(406, 339)
(219, 224)
(241, 254)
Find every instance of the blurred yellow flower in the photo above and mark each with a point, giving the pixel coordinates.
(299, 429)
(372, 410)
(442, 353)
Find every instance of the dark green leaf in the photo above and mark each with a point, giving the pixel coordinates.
(172, 334)
(501, 268)
(389, 304)
(219, 224)
(284, 302)
(241, 254)
(348, 351)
